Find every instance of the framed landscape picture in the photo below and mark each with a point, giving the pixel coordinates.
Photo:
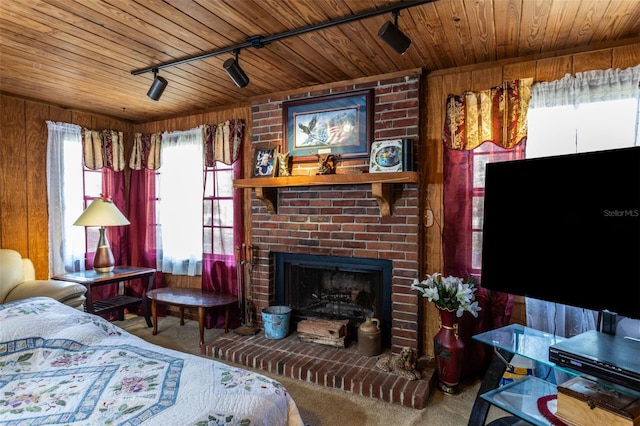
(386, 156)
(335, 124)
(265, 161)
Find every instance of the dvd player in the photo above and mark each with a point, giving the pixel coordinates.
(602, 356)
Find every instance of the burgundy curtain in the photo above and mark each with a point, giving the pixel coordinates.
(219, 271)
(494, 122)
(457, 249)
(142, 211)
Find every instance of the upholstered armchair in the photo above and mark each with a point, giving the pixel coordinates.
(17, 281)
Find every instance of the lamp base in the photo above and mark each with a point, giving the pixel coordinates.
(103, 270)
(103, 260)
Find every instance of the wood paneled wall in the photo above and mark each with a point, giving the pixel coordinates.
(23, 149)
(23, 174)
(456, 81)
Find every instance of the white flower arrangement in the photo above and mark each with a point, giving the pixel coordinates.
(449, 293)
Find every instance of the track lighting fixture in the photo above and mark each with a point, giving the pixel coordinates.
(389, 32)
(395, 38)
(158, 86)
(232, 67)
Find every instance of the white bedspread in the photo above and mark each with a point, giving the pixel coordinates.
(62, 366)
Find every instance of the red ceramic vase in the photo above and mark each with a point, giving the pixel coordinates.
(449, 349)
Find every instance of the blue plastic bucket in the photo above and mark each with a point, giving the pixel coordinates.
(276, 321)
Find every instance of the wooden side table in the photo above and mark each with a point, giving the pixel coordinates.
(91, 278)
(190, 298)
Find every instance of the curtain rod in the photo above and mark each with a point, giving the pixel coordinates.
(259, 41)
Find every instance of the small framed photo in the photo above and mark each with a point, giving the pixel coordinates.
(386, 156)
(265, 161)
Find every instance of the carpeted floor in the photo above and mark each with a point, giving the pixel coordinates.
(321, 406)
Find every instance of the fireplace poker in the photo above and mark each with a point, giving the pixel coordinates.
(249, 285)
(244, 256)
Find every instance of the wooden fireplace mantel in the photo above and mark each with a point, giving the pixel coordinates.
(382, 184)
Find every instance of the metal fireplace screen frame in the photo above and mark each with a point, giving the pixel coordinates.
(312, 293)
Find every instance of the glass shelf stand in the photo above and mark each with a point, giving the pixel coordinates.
(524, 341)
(520, 397)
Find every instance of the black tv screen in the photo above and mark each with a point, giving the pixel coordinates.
(565, 229)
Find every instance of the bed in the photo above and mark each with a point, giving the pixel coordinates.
(59, 365)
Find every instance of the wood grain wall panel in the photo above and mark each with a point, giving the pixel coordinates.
(38, 216)
(13, 181)
(82, 119)
(486, 78)
(455, 84)
(627, 56)
(23, 188)
(430, 155)
(550, 69)
(60, 115)
(518, 71)
(599, 60)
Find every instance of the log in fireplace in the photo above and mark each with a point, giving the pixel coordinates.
(336, 287)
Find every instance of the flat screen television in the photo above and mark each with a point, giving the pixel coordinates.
(565, 229)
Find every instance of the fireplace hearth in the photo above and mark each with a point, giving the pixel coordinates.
(336, 287)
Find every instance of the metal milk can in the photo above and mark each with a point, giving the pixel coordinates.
(369, 337)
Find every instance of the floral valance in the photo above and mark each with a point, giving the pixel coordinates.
(146, 151)
(222, 142)
(103, 148)
(497, 115)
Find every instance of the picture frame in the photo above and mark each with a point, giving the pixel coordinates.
(334, 124)
(265, 161)
(386, 156)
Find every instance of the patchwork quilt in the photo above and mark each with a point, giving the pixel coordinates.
(59, 365)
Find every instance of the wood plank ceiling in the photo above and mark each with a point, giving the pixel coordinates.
(81, 53)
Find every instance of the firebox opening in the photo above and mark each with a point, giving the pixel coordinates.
(336, 287)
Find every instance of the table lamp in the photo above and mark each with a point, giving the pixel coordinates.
(102, 212)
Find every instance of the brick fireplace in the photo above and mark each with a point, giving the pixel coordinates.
(342, 220)
(335, 221)
(345, 220)
(339, 221)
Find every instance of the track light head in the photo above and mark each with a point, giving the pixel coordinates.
(157, 87)
(232, 68)
(395, 38)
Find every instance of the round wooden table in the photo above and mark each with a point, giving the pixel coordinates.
(190, 298)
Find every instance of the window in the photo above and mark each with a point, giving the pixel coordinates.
(179, 208)
(597, 126)
(218, 210)
(68, 184)
(485, 153)
(90, 190)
